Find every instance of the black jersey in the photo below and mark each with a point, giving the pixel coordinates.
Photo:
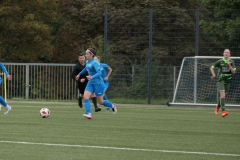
(76, 70)
(224, 72)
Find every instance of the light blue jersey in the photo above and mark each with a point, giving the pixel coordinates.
(4, 70)
(104, 67)
(93, 69)
(95, 85)
(2, 101)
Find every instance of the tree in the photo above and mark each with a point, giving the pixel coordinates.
(25, 34)
(82, 23)
(225, 24)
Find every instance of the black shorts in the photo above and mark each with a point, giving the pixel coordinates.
(81, 87)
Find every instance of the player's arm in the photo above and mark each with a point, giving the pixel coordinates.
(83, 77)
(212, 69)
(4, 69)
(9, 77)
(109, 69)
(232, 67)
(84, 71)
(213, 73)
(98, 73)
(74, 73)
(98, 70)
(81, 73)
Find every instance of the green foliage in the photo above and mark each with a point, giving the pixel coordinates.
(133, 84)
(25, 34)
(83, 23)
(224, 27)
(56, 30)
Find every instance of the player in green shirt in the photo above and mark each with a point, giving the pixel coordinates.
(226, 69)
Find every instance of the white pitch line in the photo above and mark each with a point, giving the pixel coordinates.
(128, 149)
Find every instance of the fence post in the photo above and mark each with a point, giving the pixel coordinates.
(196, 54)
(197, 33)
(174, 78)
(150, 56)
(133, 71)
(27, 80)
(105, 34)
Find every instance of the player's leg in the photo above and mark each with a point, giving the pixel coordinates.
(87, 94)
(107, 104)
(221, 88)
(226, 86)
(99, 93)
(1, 83)
(81, 88)
(3, 102)
(105, 96)
(81, 92)
(218, 106)
(80, 100)
(94, 100)
(224, 112)
(105, 89)
(222, 100)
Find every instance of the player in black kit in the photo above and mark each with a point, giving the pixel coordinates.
(82, 81)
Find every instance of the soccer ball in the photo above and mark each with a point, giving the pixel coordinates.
(44, 112)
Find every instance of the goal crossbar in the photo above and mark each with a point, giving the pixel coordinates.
(212, 57)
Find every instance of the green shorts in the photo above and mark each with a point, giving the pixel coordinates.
(223, 87)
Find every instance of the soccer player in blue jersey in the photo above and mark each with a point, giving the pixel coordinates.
(95, 83)
(226, 69)
(82, 81)
(106, 72)
(2, 101)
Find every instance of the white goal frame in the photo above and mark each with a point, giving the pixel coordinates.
(195, 103)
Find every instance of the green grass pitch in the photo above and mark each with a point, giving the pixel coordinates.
(136, 132)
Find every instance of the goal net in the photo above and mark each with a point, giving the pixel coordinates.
(195, 86)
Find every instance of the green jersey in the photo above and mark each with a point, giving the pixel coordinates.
(224, 72)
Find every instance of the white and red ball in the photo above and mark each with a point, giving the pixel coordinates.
(44, 112)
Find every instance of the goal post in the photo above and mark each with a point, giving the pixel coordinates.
(196, 88)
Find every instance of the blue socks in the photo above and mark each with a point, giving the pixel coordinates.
(87, 105)
(3, 102)
(106, 103)
(105, 97)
